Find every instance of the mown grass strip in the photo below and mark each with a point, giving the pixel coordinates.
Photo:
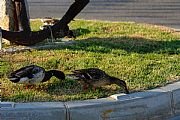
(145, 56)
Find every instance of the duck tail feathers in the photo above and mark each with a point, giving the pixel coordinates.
(14, 79)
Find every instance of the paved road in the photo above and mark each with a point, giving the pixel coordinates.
(162, 12)
(174, 118)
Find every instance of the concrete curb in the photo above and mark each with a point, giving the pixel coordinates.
(157, 104)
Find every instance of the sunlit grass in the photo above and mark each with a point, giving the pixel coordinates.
(145, 56)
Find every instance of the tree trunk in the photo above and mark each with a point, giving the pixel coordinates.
(7, 16)
(30, 38)
(16, 23)
(22, 14)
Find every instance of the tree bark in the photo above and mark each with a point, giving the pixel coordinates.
(16, 23)
(7, 16)
(22, 14)
(29, 38)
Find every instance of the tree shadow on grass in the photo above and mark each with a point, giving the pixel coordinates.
(80, 31)
(128, 44)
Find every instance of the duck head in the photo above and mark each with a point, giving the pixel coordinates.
(119, 83)
(56, 73)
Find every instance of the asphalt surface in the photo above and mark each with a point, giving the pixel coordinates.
(161, 12)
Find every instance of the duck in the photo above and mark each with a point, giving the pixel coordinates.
(34, 74)
(48, 22)
(96, 77)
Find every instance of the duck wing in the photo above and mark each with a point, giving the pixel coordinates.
(89, 75)
(25, 73)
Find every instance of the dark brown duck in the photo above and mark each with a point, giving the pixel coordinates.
(96, 78)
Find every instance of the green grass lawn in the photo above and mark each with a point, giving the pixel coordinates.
(145, 56)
